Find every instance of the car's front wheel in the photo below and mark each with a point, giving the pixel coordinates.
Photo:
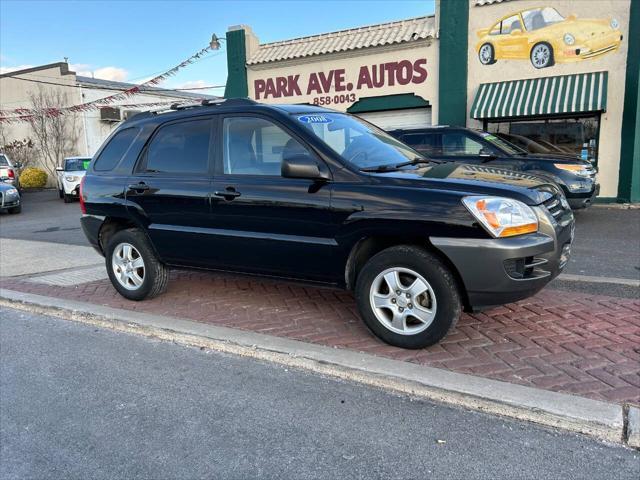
(408, 297)
(17, 209)
(542, 55)
(486, 54)
(133, 268)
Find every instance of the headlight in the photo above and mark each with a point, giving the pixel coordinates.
(569, 39)
(12, 191)
(614, 23)
(71, 178)
(579, 170)
(502, 217)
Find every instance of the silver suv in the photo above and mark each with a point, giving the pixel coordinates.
(9, 171)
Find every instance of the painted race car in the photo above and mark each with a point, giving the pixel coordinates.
(545, 37)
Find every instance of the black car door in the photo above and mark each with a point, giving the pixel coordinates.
(170, 188)
(266, 223)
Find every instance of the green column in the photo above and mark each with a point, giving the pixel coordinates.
(629, 179)
(236, 65)
(452, 84)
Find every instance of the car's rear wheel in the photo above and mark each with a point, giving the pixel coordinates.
(486, 54)
(133, 268)
(542, 55)
(408, 297)
(61, 193)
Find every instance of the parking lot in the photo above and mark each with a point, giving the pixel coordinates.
(580, 335)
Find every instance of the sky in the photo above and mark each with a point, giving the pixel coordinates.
(134, 40)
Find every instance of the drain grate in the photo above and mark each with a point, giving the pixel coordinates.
(71, 277)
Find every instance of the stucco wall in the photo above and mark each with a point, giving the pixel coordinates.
(614, 62)
(423, 52)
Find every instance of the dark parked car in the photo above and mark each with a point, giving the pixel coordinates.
(9, 198)
(311, 194)
(457, 144)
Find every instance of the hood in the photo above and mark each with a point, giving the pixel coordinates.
(581, 27)
(475, 180)
(5, 186)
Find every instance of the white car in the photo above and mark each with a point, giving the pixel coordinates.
(69, 177)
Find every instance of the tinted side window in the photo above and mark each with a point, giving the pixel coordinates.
(254, 146)
(115, 150)
(426, 143)
(458, 144)
(181, 148)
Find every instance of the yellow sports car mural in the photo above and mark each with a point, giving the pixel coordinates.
(545, 37)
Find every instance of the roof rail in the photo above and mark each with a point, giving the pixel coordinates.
(230, 101)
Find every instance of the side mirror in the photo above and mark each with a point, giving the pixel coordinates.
(17, 165)
(517, 31)
(59, 169)
(302, 166)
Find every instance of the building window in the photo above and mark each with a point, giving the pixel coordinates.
(563, 136)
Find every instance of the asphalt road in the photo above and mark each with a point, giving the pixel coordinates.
(607, 242)
(82, 402)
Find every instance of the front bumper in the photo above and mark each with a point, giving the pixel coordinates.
(583, 200)
(71, 188)
(9, 201)
(504, 270)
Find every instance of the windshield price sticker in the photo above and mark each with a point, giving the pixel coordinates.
(314, 119)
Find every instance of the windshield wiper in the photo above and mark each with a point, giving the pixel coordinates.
(388, 168)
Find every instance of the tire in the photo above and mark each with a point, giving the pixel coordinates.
(486, 54)
(538, 57)
(67, 198)
(441, 297)
(17, 209)
(61, 193)
(154, 274)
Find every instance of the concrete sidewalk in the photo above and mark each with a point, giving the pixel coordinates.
(25, 257)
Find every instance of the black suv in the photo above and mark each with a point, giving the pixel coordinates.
(457, 144)
(311, 194)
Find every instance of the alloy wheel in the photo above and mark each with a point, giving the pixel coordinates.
(541, 55)
(403, 301)
(128, 266)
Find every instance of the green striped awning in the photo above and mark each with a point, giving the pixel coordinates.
(583, 92)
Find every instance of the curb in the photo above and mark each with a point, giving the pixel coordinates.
(602, 420)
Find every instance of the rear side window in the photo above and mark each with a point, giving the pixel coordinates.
(3, 161)
(425, 143)
(115, 150)
(180, 148)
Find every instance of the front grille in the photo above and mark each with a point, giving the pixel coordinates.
(554, 206)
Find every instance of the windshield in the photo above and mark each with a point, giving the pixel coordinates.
(535, 19)
(360, 143)
(502, 144)
(76, 164)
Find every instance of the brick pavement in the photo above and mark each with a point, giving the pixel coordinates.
(561, 341)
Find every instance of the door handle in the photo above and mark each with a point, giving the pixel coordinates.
(228, 194)
(139, 187)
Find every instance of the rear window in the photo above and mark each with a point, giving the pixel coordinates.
(115, 150)
(3, 161)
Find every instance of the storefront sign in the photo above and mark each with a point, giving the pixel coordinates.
(339, 82)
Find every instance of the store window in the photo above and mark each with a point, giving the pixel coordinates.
(567, 136)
